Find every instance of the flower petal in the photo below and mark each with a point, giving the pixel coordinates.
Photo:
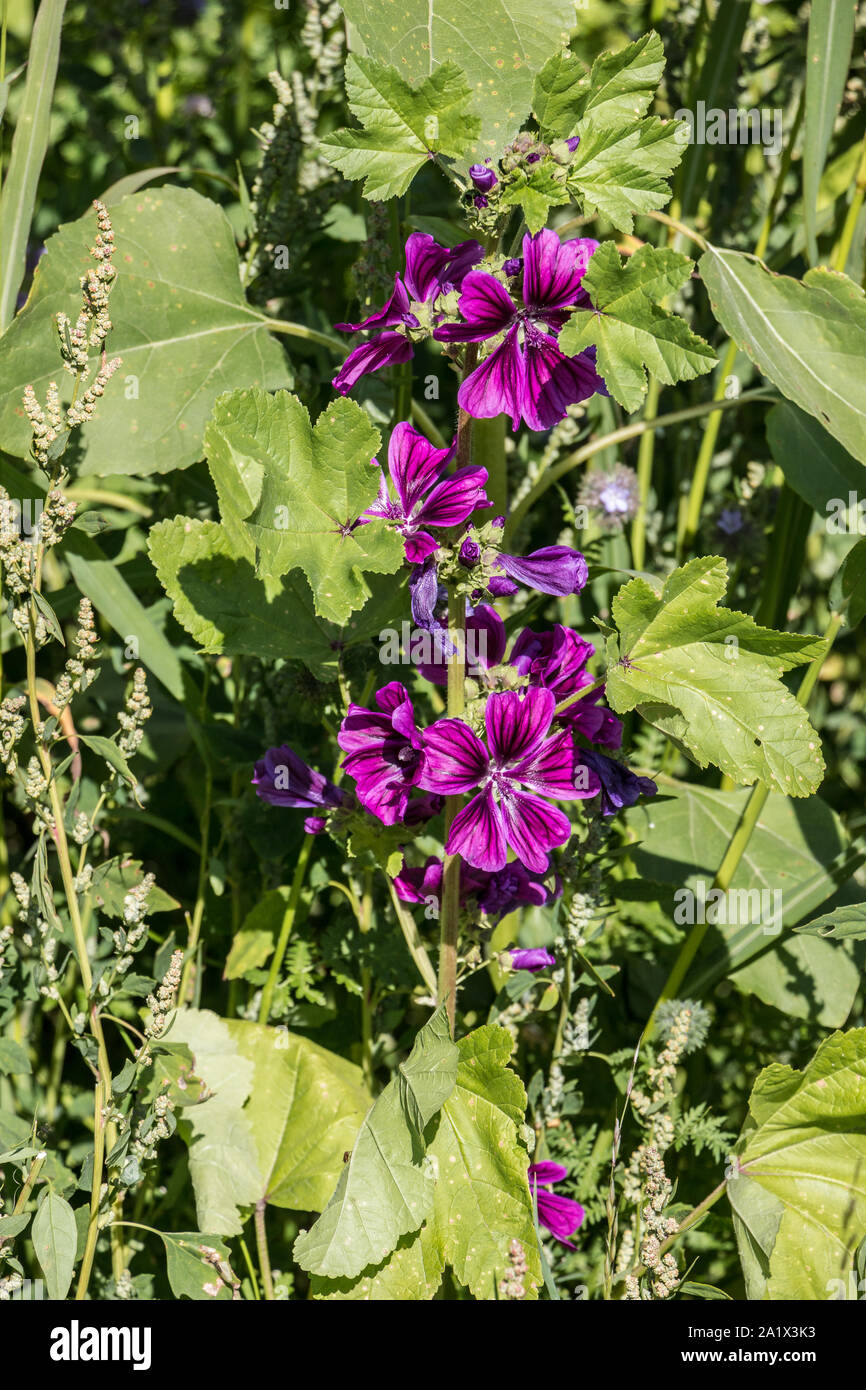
(555, 569)
(517, 726)
(560, 1215)
(414, 464)
(542, 1174)
(453, 501)
(553, 269)
(487, 309)
(393, 311)
(456, 758)
(533, 827)
(382, 351)
(477, 833)
(550, 770)
(496, 387)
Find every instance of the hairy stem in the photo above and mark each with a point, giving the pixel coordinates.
(262, 1247)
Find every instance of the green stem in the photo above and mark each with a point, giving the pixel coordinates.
(645, 453)
(843, 246)
(450, 906)
(619, 436)
(738, 842)
(695, 1215)
(488, 451)
(285, 929)
(300, 330)
(262, 1247)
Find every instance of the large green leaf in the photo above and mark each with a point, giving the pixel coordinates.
(386, 1189)
(796, 850)
(482, 1200)
(629, 328)
(291, 494)
(181, 325)
(283, 1112)
(403, 126)
(55, 1237)
(807, 336)
(499, 45)
(619, 88)
(709, 678)
(828, 55)
(190, 1274)
(814, 463)
(799, 1193)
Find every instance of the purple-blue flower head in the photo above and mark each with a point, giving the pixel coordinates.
(483, 177)
(532, 958)
(385, 752)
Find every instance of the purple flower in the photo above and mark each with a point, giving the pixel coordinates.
(533, 960)
(522, 765)
(556, 569)
(385, 752)
(283, 779)
(431, 270)
(572, 142)
(314, 825)
(485, 646)
(426, 496)
(483, 177)
(619, 785)
(496, 894)
(527, 376)
(556, 660)
(560, 1215)
(614, 496)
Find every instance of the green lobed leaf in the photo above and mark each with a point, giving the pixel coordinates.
(499, 46)
(181, 325)
(799, 1195)
(619, 88)
(709, 677)
(386, 1189)
(403, 126)
(632, 333)
(482, 1200)
(807, 336)
(291, 495)
(621, 171)
(55, 1238)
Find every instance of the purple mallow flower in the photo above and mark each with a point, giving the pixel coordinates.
(425, 494)
(385, 752)
(562, 1216)
(527, 376)
(532, 959)
(431, 270)
(521, 765)
(284, 779)
(496, 894)
(557, 660)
